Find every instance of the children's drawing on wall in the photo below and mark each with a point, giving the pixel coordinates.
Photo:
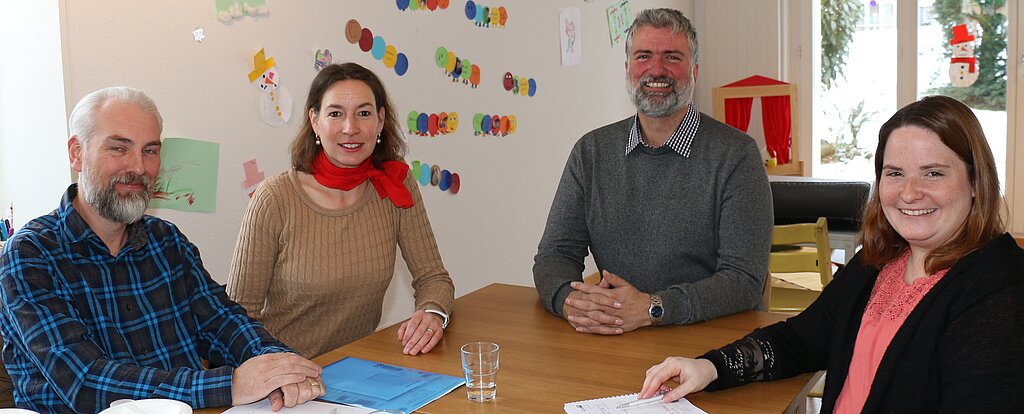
(322, 59)
(188, 175)
(275, 100)
(963, 68)
(486, 16)
(228, 10)
(253, 177)
(619, 18)
(495, 125)
(519, 85)
(569, 32)
(456, 68)
(433, 175)
(413, 5)
(424, 124)
(376, 47)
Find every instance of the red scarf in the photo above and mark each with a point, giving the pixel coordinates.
(970, 61)
(389, 182)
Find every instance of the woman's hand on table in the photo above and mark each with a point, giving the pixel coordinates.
(421, 332)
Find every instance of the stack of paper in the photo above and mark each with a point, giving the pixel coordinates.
(608, 406)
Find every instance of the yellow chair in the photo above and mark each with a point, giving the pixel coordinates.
(798, 272)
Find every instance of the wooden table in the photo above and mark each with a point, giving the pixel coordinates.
(545, 363)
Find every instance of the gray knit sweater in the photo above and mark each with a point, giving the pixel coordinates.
(694, 230)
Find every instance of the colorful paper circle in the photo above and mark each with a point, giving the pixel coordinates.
(456, 183)
(502, 15)
(401, 64)
(474, 75)
(424, 174)
(415, 169)
(506, 81)
(421, 123)
(402, 4)
(366, 40)
(503, 125)
(435, 175)
(453, 121)
(478, 121)
(353, 31)
(470, 10)
(466, 69)
(441, 57)
(410, 121)
(432, 122)
(432, 5)
(533, 87)
(442, 123)
(485, 124)
(446, 180)
(443, 4)
(378, 48)
(390, 56)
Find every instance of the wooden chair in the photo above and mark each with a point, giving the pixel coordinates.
(798, 272)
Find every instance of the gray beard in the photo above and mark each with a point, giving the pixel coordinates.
(111, 205)
(658, 105)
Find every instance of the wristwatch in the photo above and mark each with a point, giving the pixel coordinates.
(656, 311)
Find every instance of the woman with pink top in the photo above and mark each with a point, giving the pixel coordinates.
(929, 316)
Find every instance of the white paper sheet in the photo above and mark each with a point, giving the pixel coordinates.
(607, 406)
(311, 407)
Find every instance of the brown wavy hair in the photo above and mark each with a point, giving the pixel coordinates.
(392, 145)
(959, 129)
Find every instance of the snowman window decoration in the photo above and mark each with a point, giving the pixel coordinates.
(963, 67)
(275, 100)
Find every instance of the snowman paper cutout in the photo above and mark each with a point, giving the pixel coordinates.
(963, 68)
(275, 100)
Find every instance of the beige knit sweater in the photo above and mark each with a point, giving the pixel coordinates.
(316, 278)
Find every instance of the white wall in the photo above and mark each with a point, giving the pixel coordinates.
(489, 231)
(34, 167)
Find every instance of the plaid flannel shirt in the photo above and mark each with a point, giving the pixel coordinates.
(83, 328)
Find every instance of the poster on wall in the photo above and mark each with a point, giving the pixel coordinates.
(188, 175)
(569, 32)
(275, 100)
(228, 10)
(619, 18)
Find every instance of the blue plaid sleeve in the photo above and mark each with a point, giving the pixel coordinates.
(226, 332)
(42, 325)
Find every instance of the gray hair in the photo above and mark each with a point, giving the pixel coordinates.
(83, 117)
(665, 18)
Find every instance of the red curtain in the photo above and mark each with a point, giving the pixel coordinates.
(737, 112)
(776, 116)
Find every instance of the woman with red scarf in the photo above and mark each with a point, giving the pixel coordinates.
(318, 243)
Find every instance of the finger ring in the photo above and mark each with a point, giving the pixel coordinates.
(314, 384)
(430, 330)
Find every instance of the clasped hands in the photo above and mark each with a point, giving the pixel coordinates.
(287, 379)
(611, 307)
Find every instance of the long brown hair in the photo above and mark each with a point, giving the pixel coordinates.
(303, 147)
(959, 129)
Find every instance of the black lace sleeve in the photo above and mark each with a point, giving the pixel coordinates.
(749, 359)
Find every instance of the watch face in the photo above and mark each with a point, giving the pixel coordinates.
(657, 312)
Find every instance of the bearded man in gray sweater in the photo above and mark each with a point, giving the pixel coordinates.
(674, 205)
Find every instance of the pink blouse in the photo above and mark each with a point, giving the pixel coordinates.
(890, 303)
